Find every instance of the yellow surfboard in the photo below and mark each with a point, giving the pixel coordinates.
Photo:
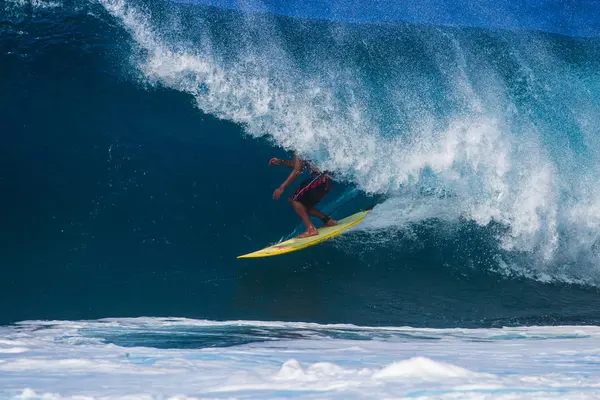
(298, 244)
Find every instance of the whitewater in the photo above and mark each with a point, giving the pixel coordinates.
(154, 358)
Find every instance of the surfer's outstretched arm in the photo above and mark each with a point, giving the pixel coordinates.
(298, 163)
(277, 161)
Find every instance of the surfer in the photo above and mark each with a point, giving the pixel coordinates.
(308, 194)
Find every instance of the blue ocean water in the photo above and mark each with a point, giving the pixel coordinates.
(134, 155)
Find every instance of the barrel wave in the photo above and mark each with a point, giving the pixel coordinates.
(135, 148)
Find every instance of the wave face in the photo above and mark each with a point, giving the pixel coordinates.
(137, 138)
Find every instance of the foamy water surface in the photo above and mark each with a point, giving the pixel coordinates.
(177, 358)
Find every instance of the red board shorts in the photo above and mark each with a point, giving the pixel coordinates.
(312, 190)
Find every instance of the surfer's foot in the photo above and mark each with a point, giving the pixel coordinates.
(308, 233)
(331, 222)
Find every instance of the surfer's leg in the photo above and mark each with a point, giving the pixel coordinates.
(327, 220)
(317, 193)
(300, 209)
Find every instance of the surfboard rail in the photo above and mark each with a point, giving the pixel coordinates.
(296, 244)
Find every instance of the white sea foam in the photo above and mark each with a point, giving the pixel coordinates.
(35, 4)
(509, 363)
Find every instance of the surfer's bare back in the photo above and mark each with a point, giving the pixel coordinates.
(310, 192)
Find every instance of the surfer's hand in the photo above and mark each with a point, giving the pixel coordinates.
(277, 193)
(274, 161)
